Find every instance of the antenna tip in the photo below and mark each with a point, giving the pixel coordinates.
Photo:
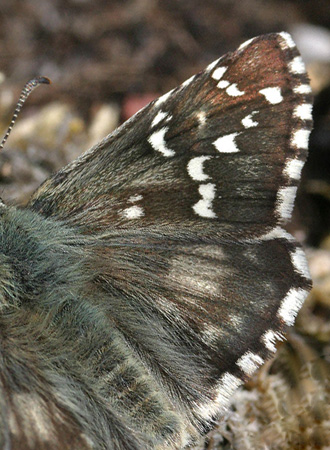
(44, 80)
(26, 91)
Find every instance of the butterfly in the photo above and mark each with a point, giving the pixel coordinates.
(147, 280)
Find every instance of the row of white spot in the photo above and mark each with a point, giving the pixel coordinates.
(300, 136)
(249, 361)
(157, 138)
(287, 312)
(294, 299)
(227, 144)
(134, 211)
(224, 144)
(291, 304)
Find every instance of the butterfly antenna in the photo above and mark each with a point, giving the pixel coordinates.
(26, 91)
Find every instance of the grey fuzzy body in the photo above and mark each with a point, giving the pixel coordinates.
(64, 366)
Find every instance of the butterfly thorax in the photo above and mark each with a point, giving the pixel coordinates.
(38, 257)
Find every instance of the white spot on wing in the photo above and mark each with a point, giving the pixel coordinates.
(300, 139)
(223, 84)
(233, 91)
(159, 117)
(133, 212)
(157, 141)
(212, 65)
(304, 111)
(291, 305)
(299, 262)
(201, 117)
(297, 65)
(245, 44)
(277, 233)
(163, 98)
(135, 198)
(227, 144)
(195, 168)
(187, 82)
(288, 41)
(249, 362)
(272, 94)
(227, 385)
(204, 206)
(285, 201)
(293, 168)
(302, 89)
(248, 122)
(269, 339)
(218, 73)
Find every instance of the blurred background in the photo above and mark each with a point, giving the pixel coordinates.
(106, 60)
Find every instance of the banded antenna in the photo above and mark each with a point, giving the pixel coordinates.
(26, 91)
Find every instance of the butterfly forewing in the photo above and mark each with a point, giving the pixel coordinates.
(220, 146)
(179, 216)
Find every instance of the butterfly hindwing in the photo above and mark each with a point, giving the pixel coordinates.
(183, 279)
